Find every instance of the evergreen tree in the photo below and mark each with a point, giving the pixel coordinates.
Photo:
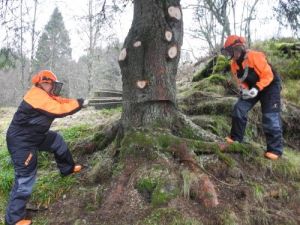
(54, 51)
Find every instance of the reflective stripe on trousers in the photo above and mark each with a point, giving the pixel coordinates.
(271, 120)
(19, 196)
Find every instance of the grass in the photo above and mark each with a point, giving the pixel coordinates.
(286, 167)
(49, 187)
(167, 216)
(291, 91)
(110, 112)
(6, 174)
(76, 132)
(258, 192)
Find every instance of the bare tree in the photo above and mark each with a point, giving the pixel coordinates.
(288, 13)
(213, 18)
(21, 45)
(250, 16)
(33, 37)
(98, 18)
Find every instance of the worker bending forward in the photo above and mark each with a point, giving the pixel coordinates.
(257, 82)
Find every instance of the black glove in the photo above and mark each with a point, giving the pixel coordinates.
(80, 101)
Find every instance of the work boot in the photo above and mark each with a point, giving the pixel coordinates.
(229, 140)
(271, 155)
(77, 168)
(224, 145)
(24, 222)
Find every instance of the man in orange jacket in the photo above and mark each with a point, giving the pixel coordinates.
(258, 82)
(29, 132)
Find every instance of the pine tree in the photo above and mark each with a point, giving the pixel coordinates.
(54, 51)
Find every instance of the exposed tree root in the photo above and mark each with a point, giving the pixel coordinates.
(99, 141)
(201, 186)
(183, 123)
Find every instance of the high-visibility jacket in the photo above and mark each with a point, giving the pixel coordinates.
(255, 71)
(35, 115)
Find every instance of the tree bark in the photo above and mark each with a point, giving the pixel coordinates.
(148, 70)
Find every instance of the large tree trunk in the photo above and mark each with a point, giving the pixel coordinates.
(149, 61)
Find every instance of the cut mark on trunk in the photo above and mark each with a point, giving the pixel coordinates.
(172, 53)
(174, 12)
(137, 44)
(123, 54)
(168, 35)
(142, 83)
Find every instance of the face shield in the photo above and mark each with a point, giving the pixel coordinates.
(227, 52)
(57, 86)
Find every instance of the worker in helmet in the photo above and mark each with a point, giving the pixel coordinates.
(29, 132)
(257, 81)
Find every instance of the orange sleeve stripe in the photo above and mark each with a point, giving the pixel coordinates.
(262, 68)
(39, 99)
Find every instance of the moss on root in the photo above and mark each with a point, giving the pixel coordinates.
(222, 106)
(158, 185)
(146, 143)
(218, 64)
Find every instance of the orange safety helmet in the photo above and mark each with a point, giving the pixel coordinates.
(231, 42)
(44, 76)
(234, 40)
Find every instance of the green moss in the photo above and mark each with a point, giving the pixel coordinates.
(137, 143)
(163, 193)
(213, 107)
(146, 184)
(214, 84)
(284, 55)
(222, 65)
(157, 184)
(165, 141)
(206, 71)
(187, 132)
(226, 158)
(218, 64)
(167, 216)
(218, 79)
(148, 143)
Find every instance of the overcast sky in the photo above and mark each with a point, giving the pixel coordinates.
(262, 28)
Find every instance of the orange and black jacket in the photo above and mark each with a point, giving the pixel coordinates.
(36, 114)
(253, 70)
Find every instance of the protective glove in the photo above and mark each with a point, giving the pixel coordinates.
(247, 94)
(253, 92)
(85, 103)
